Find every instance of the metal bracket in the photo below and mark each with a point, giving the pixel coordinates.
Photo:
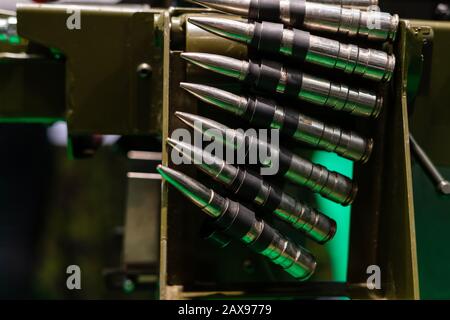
(105, 92)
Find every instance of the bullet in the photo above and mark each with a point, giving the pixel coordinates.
(250, 187)
(272, 77)
(239, 222)
(318, 179)
(350, 4)
(273, 38)
(266, 113)
(369, 24)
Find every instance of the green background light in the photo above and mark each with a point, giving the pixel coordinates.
(14, 40)
(337, 248)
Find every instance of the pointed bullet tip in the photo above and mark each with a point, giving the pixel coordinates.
(216, 97)
(225, 27)
(182, 147)
(199, 21)
(194, 19)
(184, 85)
(240, 7)
(225, 65)
(160, 169)
(166, 172)
(186, 54)
(170, 175)
(185, 117)
(189, 56)
(179, 114)
(171, 142)
(189, 86)
(199, 2)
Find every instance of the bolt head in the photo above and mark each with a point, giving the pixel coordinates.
(442, 11)
(144, 70)
(444, 187)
